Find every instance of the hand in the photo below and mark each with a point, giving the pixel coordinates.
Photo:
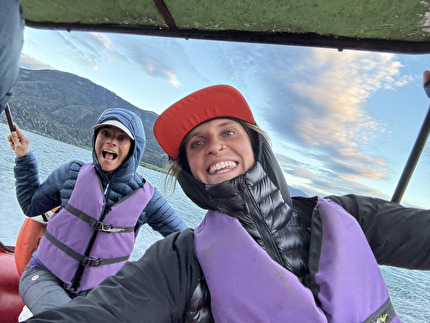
(19, 143)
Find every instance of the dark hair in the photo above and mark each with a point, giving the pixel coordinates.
(181, 163)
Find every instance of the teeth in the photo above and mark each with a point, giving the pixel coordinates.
(222, 165)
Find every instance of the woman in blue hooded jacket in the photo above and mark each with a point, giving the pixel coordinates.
(103, 205)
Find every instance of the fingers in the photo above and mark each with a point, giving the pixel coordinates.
(15, 136)
(18, 130)
(12, 145)
(19, 143)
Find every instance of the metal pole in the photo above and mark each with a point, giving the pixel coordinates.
(413, 159)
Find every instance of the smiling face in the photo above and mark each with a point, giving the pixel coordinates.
(219, 150)
(111, 147)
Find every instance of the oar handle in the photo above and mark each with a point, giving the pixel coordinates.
(9, 118)
(416, 151)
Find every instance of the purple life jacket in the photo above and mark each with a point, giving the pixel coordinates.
(246, 285)
(85, 236)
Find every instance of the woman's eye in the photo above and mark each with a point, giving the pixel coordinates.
(229, 133)
(196, 144)
(122, 138)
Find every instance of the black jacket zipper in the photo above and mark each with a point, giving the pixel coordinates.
(265, 232)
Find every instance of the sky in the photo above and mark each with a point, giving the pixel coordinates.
(340, 122)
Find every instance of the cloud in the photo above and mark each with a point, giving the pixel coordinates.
(28, 62)
(172, 78)
(103, 40)
(315, 100)
(321, 178)
(137, 54)
(77, 48)
(164, 58)
(319, 105)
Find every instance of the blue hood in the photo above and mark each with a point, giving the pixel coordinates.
(134, 124)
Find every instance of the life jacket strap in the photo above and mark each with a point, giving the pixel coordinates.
(97, 225)
(84, 260)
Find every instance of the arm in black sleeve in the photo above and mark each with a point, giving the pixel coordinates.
(157, 288)
(398, 236)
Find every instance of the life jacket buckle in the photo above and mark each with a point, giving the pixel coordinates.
(100, 226)
(92, 262)
(105, 227)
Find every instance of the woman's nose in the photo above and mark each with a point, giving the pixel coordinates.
(112, 140)
(215, 146)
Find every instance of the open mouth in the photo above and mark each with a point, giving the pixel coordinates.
(222, 167)
(109, 155)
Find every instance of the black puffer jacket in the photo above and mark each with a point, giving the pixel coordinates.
(167, 283)
(261, 201)
(258, 205)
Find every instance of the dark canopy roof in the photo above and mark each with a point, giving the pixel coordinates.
(401, 26)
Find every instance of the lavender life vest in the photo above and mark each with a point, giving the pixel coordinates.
(246, 285)
(84, 234)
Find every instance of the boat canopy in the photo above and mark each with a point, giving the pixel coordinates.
(400, 26)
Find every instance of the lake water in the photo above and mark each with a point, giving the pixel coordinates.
(409, 290)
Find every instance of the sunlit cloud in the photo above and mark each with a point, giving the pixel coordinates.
(29, 62)
(331, 110)
(320, 179)
(157, 70)
(104, 40)
(173, 78)
(319, 105)
(315, 100)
